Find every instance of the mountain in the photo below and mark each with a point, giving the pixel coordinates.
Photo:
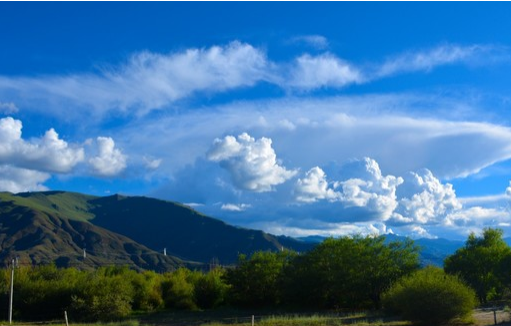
(36, 236)
(56, 226)
(432, 251)
(183, 231)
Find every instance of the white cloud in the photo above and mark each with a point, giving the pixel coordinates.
(419, 232)
(427, 60)
(326, 70)
(476, 216)
(314, 187)
(8, 108)
(49, 153)
(151, 164)
(252, 164)
(109, 160)
(318, 42)
(148, 80)
(235, 207)
(335, 129)
(318, 228)
(368, 188)
(363, 187)
(16, 180)
(431, 200)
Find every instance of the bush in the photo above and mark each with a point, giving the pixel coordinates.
(430, 296)
(102, 297)
(178, 289)
(210, 289)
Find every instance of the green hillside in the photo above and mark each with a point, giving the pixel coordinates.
(37, 237)
(56, 226)
(183, 231)
(69, 205)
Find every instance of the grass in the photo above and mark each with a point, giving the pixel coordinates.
(60, 323)
(65, 204)
(316, 320)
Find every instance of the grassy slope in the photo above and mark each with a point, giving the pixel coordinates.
(154, 223)
(30, 228)
(184, 232)
(69, 205)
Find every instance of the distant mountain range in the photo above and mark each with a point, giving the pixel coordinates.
(433, 251)
(72, 229)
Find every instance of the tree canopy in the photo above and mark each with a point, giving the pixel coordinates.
(483, 263)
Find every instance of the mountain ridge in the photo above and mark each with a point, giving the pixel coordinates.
(136, 227)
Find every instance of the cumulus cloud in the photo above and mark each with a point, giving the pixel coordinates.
(49, 153)
(25, 164)
(16, 180)
(431, 199)
(368, 188)
(251, 163)
(314, 187)
(109, 160)
(363, 187)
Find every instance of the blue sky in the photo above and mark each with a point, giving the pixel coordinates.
(295, 118)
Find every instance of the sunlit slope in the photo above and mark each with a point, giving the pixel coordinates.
(47, 225)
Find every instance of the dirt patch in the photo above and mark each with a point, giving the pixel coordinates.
(485, 317)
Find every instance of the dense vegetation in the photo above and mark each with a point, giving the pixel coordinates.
(346, 273)
(430, 297)
(485, 264)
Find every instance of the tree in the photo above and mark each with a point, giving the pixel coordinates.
(349, 272)
(178, 289)
(481, 264)
(255, 281)
(103, 295)
(430, 297)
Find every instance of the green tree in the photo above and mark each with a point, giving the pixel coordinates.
(349, 272)
(430, 297)
(482, 264)
(255, 281)
(211, 289)
(103, 295)
(178, 289)
(147, 290)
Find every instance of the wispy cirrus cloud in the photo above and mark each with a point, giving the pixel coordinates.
(318, 42)
(8, 108)
(326, 70)
(427, 60)
(149, 81)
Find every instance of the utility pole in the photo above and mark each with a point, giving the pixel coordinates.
(12, 292)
